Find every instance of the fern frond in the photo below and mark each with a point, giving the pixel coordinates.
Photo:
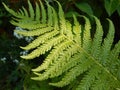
(105, 82)
(43, 11)
(40, 40)
(71, 52)
(21, 12)
(44, 47)
(54, 54)
(97, 40)
(86, 35)
(101, 83)
(114, 61)
(29, 25)
(89, 79)
(106, 47)
(18, 14)
(77, 31)
(50, 15)
(31, 10)
(62, 64)
(55, 20)
(69, 29)
(10, 10)
(36, 32)
(61, 19)
(74, 72)
(25, 12)
(116, 51)
(37, 13)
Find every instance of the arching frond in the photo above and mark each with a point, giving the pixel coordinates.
(97, 40)
(37, 13)
(71, 52)
(36, 32)
(40, 40)
(31, 10)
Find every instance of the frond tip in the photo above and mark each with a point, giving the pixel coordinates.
(92, 63)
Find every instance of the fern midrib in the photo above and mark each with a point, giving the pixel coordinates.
(93, 59)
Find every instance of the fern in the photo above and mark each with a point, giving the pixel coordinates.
(72, 53)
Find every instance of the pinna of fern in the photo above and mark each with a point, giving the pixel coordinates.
(72, 54)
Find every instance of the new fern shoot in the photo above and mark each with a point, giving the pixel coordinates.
(88, 63)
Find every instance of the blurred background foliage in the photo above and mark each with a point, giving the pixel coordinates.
(15, 73)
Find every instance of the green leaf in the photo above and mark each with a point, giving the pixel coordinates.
(70, 14)
(111, 6)
(85, 7)
(118, 10)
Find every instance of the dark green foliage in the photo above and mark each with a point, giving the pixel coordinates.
(70, 53)
(9, 59)
(111, 6)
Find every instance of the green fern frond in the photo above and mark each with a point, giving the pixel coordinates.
(69, 33)
(43, 20)
(10, 10)
(89, 78)
(37, 13)
(114, 54)
(28, 26)
(40, 40)
(86, 35)
(62, 20)
(107, 43)
(25, 12)
(44, 47)
(21, 12)
(54, 54)
(71, 52)
(50, 15)
(31, 10)
(113, 65)
(97, 40)
(77, 31)
(36, 32)
(62, 64)
(74, 72)
(55, 20)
